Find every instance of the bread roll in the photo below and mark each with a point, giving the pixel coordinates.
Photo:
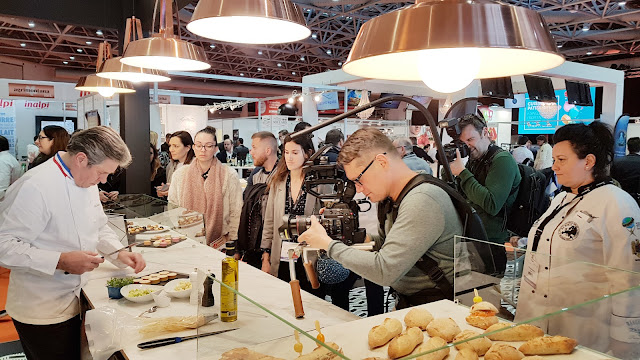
(480, 346)
(466, 354)
(321, 353)
(503, 352)
(418, 317)
(431, 344)
(549, 345)
(482, 322)
(443, 328)
(245, 354)
(483, 315)
(404, 343)
(484, 306)
(535, 357)
(522, 332)
(382, 334)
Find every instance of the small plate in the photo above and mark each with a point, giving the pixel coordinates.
(139, 299)
(169, 288)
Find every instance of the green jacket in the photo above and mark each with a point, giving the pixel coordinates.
(495, 193)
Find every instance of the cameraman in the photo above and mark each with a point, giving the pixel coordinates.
(489, 181)
(426, 223)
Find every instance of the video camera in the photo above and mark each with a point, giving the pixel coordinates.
(453, 129)
(340, 217)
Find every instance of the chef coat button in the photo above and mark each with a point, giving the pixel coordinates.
(533, 291)
(548, 239)
(545, 296)
(546, 268)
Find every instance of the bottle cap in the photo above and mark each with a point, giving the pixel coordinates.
(230, 248)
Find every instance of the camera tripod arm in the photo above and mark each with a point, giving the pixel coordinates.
(433, 126)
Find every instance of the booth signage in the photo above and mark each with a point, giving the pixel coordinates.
(36, 104)
(8, 123)
(40, 91)
(71, 106)
(271, 106)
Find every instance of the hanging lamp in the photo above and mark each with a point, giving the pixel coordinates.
(164, 50)
(105, 87)
(249, 21)
(112, 68)
(448, 43)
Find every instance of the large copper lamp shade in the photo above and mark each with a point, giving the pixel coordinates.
(105, 87)
(114, 69)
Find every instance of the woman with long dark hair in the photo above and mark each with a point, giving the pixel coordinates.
(52, 138)
(181, 151)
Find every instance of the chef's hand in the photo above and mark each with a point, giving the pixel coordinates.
(456, 165)
(113, 195)
(79, 262)
(266, 262)
(316, 236)
(134, 260)
(104, 196)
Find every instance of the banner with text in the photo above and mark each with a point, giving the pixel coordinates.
(8, 123)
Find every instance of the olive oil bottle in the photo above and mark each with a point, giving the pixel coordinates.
(229, 299)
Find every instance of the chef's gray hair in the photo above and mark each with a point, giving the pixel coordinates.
(100, 143)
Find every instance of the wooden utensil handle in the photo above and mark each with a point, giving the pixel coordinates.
(297, 298)
(311, 274)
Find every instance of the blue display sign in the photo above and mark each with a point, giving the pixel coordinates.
(544, 118)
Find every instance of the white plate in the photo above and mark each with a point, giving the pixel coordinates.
(171, 285)
(140, 299)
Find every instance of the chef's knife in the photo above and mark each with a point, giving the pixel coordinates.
(174, 340)
(124, 248)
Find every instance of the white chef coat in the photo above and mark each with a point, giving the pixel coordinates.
(9, 171)
(44, 214)
(601, 228)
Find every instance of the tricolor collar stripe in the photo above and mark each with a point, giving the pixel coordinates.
(62, 166)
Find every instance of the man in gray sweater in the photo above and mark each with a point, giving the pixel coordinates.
(426, 222)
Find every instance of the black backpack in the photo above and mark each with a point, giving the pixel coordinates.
(531, 201)
(251, 218)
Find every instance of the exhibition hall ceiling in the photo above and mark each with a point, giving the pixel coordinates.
(601, 32)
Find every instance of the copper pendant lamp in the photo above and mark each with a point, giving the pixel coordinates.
(448, 43)
(105, 87)
(165, 51)
(114, 69)
(249, 21)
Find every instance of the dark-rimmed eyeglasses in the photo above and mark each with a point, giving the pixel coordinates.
(43, 137)
(357, 180)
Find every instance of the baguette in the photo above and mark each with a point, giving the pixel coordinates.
(443, 328)
(549, 345)
(480, 345)
(466, 354)
(503, 352)
(245, 354)
(418, 317)
(404, 343)
(322, 353)
(522, 332)
(431, 344)
(382, 334)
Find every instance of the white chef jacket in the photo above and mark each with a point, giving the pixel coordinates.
(601, 228)
(44, 214)
(9, 171)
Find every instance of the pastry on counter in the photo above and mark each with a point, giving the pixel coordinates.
(480, 345)
(466, 354)
(522, 332)
(549, 345)
(431, 344)
(503, 352)
(446, 329)
(483, 315)
(418, 317)
(535, 357)
(382, 334)
(322, 353)
(404, 343)
(245, 354)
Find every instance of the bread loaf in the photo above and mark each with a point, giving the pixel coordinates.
(404, 343)
(322, 353)
(418, 317)
(466, 354)
(382, 334)
(503, 352)
(431, 344)
(443, 328)
(480, 345)
(245, 354)
(549, 345)
(522, 332)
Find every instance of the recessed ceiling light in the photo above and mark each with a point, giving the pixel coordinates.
(314, 35)
(89, 43)
(328, 52)
(31, 24)
(585, 27)
(212, 46)
(23, 44)
(559, 46)
(302, 58)
(622, 3)
(259, 69)
(79, 50)
(72, 57)
(241, 74)
(259, 52)
(340, 63)
(279, 65)
(65, 62)
(589, 52)
(99, 33)
(293, 73)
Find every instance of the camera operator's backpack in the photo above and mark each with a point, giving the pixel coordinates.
(251, 218)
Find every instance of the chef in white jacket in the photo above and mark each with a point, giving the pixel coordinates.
(591, 222)
(53, 231)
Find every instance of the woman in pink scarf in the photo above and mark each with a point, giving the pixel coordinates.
(211, 188)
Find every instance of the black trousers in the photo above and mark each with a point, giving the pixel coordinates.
(51, 342)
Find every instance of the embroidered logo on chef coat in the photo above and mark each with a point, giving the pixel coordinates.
(629, 224)
(569, 231)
